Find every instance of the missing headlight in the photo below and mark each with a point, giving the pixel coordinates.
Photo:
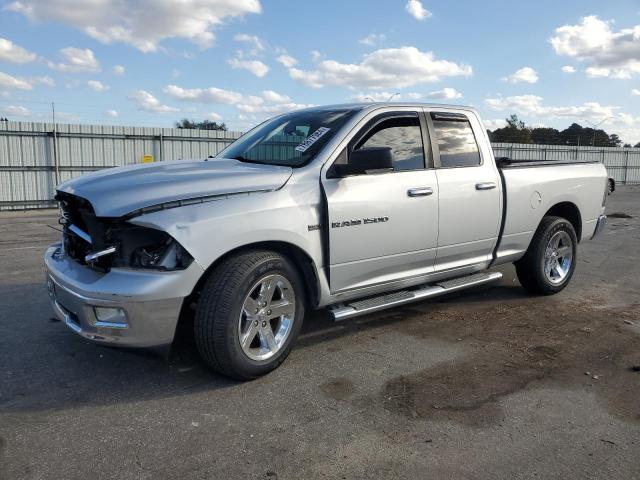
(167, 256)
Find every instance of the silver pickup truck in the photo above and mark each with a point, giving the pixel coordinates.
(355, 208)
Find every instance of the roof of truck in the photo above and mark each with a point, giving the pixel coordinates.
(375, 105)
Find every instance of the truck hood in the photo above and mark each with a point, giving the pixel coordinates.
(115, 192)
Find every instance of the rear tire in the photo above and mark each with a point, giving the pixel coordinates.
(550, 261)
(238, 330)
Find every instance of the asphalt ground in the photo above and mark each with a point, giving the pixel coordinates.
(487, 384)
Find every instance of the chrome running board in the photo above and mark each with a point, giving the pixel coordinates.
(389, 300)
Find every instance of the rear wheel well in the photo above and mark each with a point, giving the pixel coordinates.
(570, 212)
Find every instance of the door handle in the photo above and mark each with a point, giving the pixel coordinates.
(420, 192)
(486, 186)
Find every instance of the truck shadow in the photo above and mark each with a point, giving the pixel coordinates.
(44, 366)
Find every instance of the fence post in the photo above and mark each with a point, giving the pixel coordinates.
(626, 167)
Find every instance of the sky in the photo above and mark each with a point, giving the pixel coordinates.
(153, 62)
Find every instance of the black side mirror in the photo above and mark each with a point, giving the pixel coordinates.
(365, 160)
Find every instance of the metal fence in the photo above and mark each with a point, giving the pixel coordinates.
(623, 164)
(34, 157)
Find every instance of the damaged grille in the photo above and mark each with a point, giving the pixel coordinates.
(82, 230)
(123, 244)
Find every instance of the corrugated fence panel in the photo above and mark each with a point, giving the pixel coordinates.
(33, 160)
(623, 164)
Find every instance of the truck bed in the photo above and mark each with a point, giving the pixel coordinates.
(531, 188)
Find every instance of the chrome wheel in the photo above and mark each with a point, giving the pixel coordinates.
(267, 315)
(558, 257)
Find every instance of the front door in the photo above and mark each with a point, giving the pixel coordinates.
(383, 225)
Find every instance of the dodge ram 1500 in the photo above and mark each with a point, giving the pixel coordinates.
(354, 208)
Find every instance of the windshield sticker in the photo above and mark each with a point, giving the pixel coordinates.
(311, 139)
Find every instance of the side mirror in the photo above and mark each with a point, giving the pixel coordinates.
(365, 160)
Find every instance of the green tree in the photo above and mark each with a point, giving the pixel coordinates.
(515, 132)
(614, 140)
(203, 125)
(546, 136)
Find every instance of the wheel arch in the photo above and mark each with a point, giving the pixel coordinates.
(570, 212)
(301, 260)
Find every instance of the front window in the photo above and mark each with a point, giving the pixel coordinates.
(290, 140)
(403, 136)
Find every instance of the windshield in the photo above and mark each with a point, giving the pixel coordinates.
(290, 140)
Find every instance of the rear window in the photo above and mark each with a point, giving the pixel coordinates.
(456, 142)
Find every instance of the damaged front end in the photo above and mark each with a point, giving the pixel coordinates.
(103, 243)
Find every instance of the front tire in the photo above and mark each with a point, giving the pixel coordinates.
(249, 313)
(550, 261)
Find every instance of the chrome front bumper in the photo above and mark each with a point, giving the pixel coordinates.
(602, 222)
(124, 307)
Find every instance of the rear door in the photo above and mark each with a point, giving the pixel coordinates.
(383, 226)
(469, 190)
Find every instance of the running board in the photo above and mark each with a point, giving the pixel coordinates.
(389, 300)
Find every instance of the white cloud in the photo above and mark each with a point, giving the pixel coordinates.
(271, 96)
(44, 80)
(112, 113)
(76, 60)
(568, 69)
(118, 70)
(258, 45)
(316, 55)
(268, 103)
(524, 74)
(609, 53)
(377, 97)
(205, 95)
(10, 52)
(635, 92)
(256, 67)
(17, 111)
(444, 94)
(597, 72)
(286, 60)
(147, 102)
(416, 10)
(384, 68)
(141, 23)
(97, 86)
(274, 109)
(214, 117)
(495, 123)
(373, 39)
(7, 81)
(533, 105)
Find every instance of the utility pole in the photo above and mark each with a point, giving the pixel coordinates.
(596, 125)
